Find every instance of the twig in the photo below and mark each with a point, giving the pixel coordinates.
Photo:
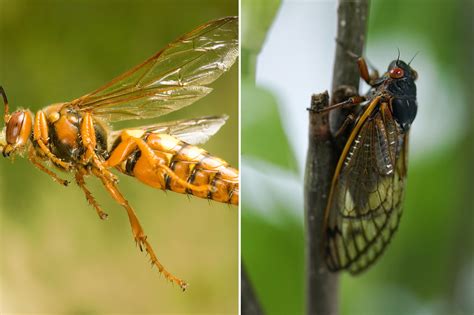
(250, 304)
(320, 164)
(352, 16)
(322, 285)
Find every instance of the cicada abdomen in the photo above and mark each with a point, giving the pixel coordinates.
(187, 169)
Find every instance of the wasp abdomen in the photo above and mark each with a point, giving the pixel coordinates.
(189, 163)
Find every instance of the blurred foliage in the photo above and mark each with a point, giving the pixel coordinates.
(262, 127)
(430, 260)
(260, 115)
(56, 255)
(263, 138)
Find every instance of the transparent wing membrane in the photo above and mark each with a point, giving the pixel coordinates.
(169, 80)
(365, 206)
(192, 131)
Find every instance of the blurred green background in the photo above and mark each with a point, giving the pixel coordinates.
(429, 266)
(57, 257)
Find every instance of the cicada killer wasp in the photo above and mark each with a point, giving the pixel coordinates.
(367, 190)
(75, 136)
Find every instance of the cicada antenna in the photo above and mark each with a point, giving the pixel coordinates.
(413, 57)
(398, 57)
(5, 102)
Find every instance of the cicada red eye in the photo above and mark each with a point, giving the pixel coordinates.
(396, 73)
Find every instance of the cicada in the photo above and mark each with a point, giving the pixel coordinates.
(76, 137)
(367, 190)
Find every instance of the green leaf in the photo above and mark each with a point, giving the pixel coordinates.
(263, 136)
(274, 258)
(257, 17)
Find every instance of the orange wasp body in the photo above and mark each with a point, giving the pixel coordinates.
(75, 137)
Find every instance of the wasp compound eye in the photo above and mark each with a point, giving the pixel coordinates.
(396, 73)
(14, 127)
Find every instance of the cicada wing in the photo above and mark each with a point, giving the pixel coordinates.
(169, 80)
(366, 196)
(193, 131)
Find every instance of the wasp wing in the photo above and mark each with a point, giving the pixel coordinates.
(169, 80)
(193, 131)
(365, 203)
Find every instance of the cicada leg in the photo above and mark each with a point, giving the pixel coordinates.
(40, 136)
(345, 124)
(90, 198)
(37, 163)
(362, 64)
(368, 77)
(350, 102)
(137, 230)
(89, 142)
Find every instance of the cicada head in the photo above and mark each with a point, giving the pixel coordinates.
(402, 88)
(17, 132)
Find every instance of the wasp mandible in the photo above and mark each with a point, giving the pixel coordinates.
(75, 136)
(367, 190)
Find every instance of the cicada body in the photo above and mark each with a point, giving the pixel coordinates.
(367, 191)
(76, 136)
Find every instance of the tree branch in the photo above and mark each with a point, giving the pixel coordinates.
(321, 285)
(249, 301)
(323, 153)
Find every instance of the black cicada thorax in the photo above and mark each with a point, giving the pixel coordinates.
(398, 89)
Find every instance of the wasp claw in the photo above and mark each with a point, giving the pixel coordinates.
(103, 215)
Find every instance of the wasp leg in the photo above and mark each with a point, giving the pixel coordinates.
(130, 143)
(82, 183)
(137, 230)
(157, 163)
(89, 142)
(350, 102)
(121, 152)
(40, 136)
(37, 163)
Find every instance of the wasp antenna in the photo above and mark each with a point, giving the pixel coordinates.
(5, 102)
(413, 57)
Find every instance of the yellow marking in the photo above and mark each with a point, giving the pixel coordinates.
(346, 149)
(53, 117)
(135, 133)
(212, 163)
(192, 153)
(168, 142)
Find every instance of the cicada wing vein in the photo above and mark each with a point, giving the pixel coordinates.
(365, 201)
(171, 79)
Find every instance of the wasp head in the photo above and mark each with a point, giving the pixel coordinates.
(17, 132)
